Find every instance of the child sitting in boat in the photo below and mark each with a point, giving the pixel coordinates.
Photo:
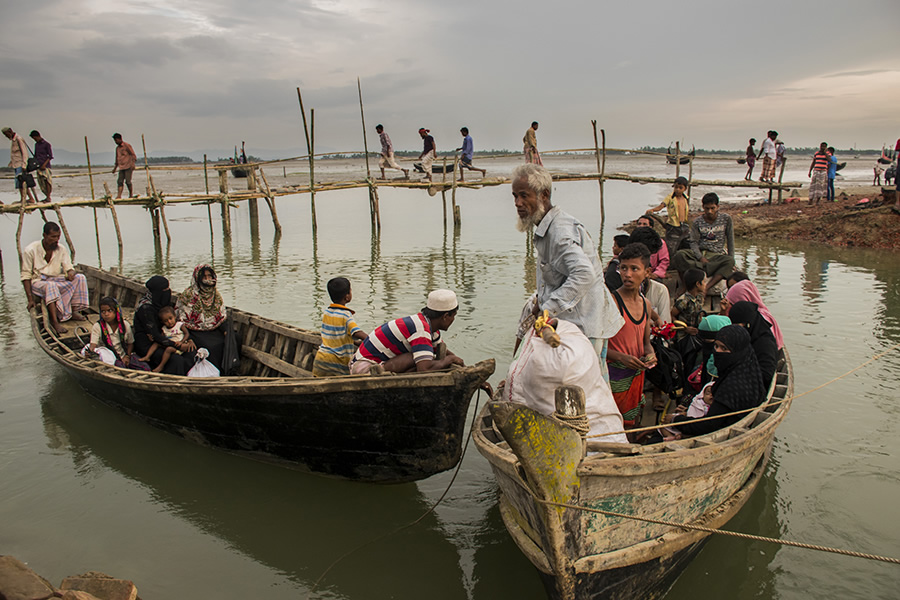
(113, 332)
(175, 332)
(340, 333)
(688, 307)
(630, 352)
(613, 281)
(698, 408)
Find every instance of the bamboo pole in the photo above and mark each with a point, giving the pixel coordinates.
(205, 174)
(225, 203)
(62, 224)
(112, 210)
(270, 202)
(374, 209)
(309, 148)
(780, 174)
(690, 176)
(87, 153)
(19, 230)
(677, 159)
(157, 198)
(456, 222)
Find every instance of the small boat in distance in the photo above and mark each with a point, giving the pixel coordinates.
(887, 156)
(389, 428)
(540, 463)
(435, 167)
(682, 159)
(240, 160)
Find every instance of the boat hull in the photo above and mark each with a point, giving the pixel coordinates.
(387, 429)
(597, 552)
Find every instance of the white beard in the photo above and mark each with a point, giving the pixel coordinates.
(523, 224)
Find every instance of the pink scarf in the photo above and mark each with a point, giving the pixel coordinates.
(746, 290)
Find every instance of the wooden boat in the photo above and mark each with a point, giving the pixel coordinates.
(386, 429)
(240, 171)
(582, 555)
(887, 156)
(435, 167)
(840, 166)
(682, 159)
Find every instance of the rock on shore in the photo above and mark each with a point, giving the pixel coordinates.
(18, 582)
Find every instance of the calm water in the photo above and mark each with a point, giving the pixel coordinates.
(84, 487)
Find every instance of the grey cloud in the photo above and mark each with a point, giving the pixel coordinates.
(861, 73)
(153, 52)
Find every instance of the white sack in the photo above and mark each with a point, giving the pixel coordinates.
(535, 374)
(203, 368)
(105, 354)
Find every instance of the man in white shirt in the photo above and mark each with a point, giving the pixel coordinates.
(47, 273)
(769, 154)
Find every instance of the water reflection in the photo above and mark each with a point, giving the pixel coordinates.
(294, 523)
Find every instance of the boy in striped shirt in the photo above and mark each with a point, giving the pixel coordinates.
(339, 332)
(410, 343)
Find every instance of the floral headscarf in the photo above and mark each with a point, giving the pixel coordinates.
(201, 306)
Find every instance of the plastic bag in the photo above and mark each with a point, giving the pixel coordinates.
(203, 368)
(103, 354)
(539, 369)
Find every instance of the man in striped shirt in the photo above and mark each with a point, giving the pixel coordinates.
(410, 343)
(818, 173)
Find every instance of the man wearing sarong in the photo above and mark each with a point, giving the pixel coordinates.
(43, 154)
(818, 174)
(769, 155)
(530, 140)
(429, 151)
(570, 282)
(47, 273)
(387, 152)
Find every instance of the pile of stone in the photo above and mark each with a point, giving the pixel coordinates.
(18, 582)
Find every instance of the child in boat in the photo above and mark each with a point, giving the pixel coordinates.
(340, 333)
(611, 276)
(630, 352)
(175, 332)
(112, 331)
(688, 307)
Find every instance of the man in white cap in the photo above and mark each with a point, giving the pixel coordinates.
(410, 343)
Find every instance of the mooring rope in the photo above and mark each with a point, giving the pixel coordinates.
(430, 510)
(746, 536)
(725, 532)
(749, 410)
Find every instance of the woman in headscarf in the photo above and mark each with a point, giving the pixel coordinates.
(761, 337)
(738, 387)
(148, 329)
(202, 309)
(744, 289)
(707, 330)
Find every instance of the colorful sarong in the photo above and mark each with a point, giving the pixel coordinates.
(627, 387)
(818, 186)
(768, 170)
(533, 156)
(68, 295)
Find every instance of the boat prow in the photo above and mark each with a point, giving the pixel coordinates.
(592, 548)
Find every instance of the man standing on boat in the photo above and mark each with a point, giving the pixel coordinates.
(570, 283)
(387, 153)
(429, 152)
(125, 160)
(530, 140)
(47, 273)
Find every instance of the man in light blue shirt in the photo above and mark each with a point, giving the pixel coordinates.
(465, 157)
(570, 284)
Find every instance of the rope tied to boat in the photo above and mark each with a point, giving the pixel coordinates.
(755, 408)
(577, 422)
(736, 534)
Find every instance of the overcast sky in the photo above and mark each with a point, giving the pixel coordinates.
(194, 74)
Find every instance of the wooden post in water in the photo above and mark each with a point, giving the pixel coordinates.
(780, 174)
(309, 148)
(677, 159)
(87, 153)
(601, 167)
(374, 208)
(226, 206)
(112, 210)
(457, 218)
(160, 212)
(19, 230)
(270, 202)
(690, 176)
(205, 175)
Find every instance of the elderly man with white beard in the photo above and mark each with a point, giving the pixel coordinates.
(569, 274)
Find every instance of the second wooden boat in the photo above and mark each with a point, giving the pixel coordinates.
(539, 464)
(386, 429)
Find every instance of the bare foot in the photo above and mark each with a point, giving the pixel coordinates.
(382, 178)
(406, 173)
(59, 329)
(158, 369)
(76, 316)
